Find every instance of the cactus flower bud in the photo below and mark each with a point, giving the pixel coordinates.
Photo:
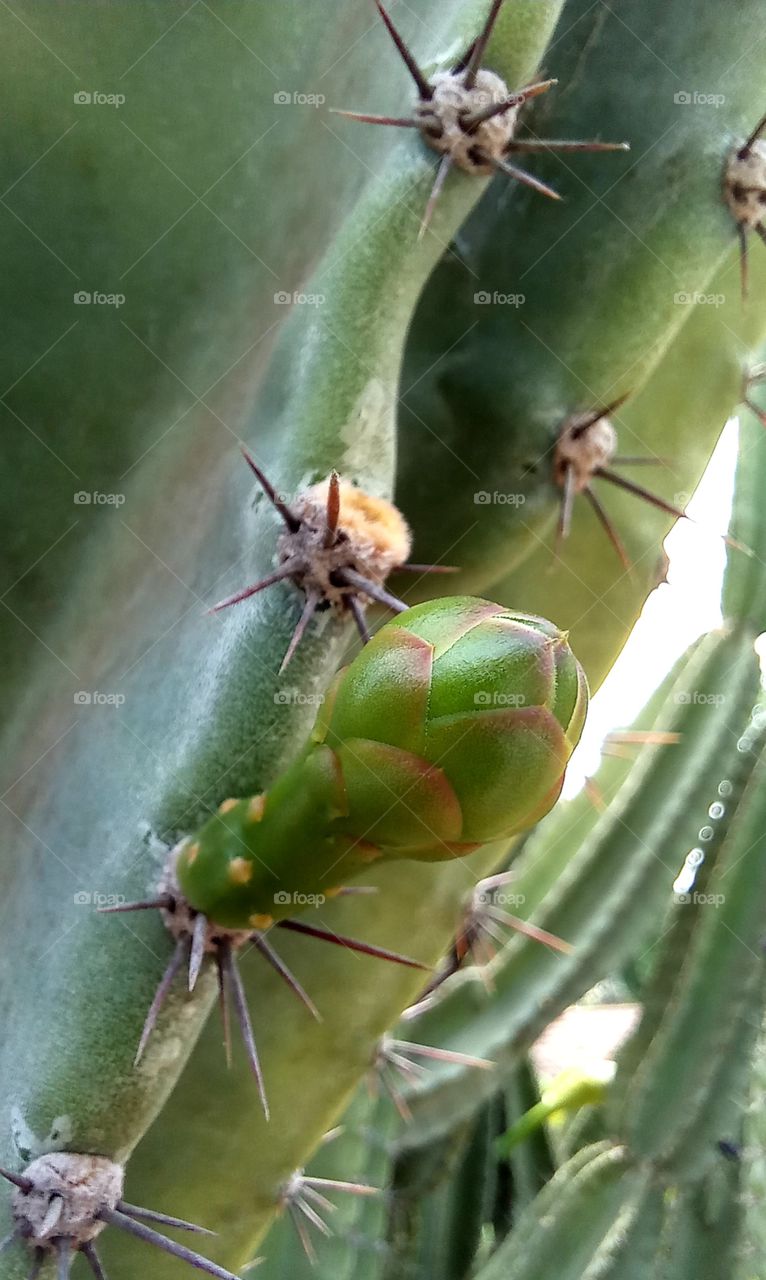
(451, 728)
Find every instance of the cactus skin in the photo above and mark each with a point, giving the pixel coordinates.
(451, 729)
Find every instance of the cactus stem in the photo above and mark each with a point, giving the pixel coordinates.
(230, 970)
(421, 84)
(351, 944)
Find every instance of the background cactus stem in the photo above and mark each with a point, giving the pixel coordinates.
(744, 190)
(339, 546)
(454, 118)
(64, 1200)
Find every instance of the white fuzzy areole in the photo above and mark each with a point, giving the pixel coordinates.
(745, 184)
(68, 1193)
(583, 449)
(442, 119)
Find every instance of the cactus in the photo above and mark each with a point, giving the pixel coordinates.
(141, 730)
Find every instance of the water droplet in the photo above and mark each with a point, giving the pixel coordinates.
(725, 788)
(706, 833)
(694, 857)
(716, 810)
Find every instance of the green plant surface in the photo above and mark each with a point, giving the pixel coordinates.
(199, 720)
(685, 1073)
(559, 1232)
(610, 896)
(599, 319)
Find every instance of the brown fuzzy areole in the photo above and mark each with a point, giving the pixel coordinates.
(371, 537)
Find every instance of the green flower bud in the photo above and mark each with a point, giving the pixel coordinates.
(464, 706)
(451, 728)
